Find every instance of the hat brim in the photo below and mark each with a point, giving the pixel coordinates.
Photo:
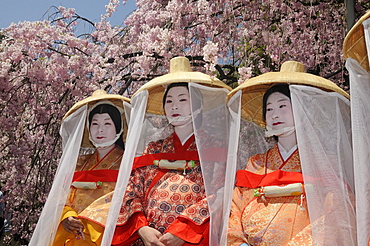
(114, 98)
(354, 45)
(254, 89)
(157, 86)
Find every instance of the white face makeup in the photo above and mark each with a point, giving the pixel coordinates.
(279, 113)
(102, 128)
(177, 105)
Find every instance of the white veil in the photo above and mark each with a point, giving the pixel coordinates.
(360, 107)
(245, 140)
(322, 121)
(210, 123)
(136, 114)
(71, 131)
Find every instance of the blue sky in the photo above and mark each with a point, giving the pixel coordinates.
(34, 10)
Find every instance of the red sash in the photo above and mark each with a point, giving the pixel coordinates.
(146, 160)
(251, 180)
(103, 175)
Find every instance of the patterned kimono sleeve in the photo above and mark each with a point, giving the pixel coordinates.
(190, 231)
(131, 217)
(236, 235)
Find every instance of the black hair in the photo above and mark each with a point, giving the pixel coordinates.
(178, 84)
(282, 88)
(114, 114)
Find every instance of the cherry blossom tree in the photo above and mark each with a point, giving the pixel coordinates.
(46, 68)
(240, 39)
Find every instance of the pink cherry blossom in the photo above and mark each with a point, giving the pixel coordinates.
(46, 67)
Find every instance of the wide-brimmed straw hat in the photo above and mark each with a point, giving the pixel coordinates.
(180, 71)
(96, 97)
(291, 72)
(354, 45)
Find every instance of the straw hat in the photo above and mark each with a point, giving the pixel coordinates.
(354, 45)
(97, 96)
(180, 71)
(291, 72)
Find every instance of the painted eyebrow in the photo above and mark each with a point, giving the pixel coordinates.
(179, 95)
(97, 120)
(280, 100)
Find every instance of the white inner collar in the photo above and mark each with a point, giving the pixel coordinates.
(285, 154)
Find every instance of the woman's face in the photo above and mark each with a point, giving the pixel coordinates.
(102, 128)
(279, 113)
(177, 104)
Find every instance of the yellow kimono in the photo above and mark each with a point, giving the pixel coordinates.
(91, 205)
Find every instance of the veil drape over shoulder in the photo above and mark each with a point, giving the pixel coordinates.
(356, 49)
(245, 140)
(136, 115)
(210, 123)
(322, 121)
(71, 131)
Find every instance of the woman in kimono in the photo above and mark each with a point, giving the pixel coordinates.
(95, 173)
(293, 194)
(166, 198)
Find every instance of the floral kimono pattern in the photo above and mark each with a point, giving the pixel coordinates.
(168, 200)
(280, 220)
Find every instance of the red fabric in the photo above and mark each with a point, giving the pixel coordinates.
(191, 232)
(103, 175)
(127, 233)
(251, 180)
(170, 149)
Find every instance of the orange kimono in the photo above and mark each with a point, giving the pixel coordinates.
(260, 220)
(91, 206)
(168, 200)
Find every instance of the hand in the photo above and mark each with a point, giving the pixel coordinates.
(150, 236)
(170, 239)
(72, 225)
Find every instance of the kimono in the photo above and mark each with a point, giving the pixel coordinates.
(266, 220)
(90, 204)
(168, 200)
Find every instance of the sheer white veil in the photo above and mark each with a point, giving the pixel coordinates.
(136, 112)
(323, 129)
(245, 140)
(72, 131)
(210, 123)
(356, 49)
